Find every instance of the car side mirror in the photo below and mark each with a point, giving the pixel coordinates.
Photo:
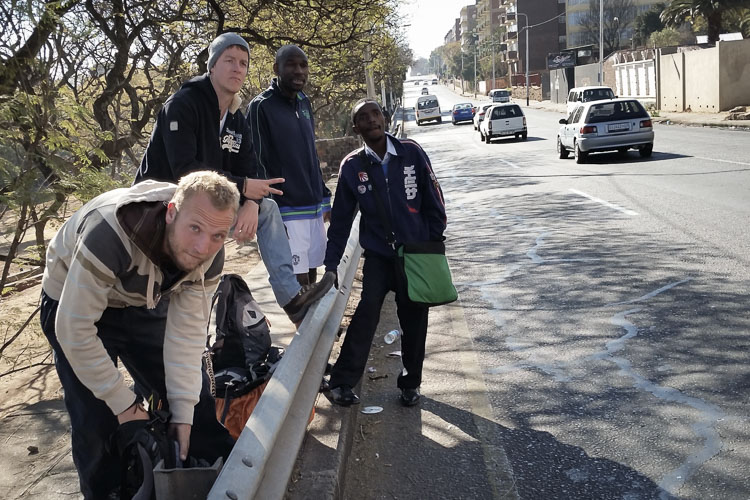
(563, 121)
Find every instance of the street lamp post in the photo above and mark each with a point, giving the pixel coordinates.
(601, 42)
(526, 28)
(475, 72)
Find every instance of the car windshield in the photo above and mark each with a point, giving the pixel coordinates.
(502, 93)
(427, 103)
(612, 111)
(506, 112)
(462, 106)
(597, 94)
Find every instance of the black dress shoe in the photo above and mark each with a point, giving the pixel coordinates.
(298, 306)
(324, 386)
(343, 396)
(409, 397)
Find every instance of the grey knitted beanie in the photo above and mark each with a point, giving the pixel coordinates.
(221, 43)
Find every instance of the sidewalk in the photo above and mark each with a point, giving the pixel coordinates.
(664, 117)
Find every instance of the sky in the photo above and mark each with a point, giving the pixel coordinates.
(430, 20)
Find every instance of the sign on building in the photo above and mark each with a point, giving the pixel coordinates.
(561, 60)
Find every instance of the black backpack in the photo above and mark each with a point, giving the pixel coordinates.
(241, 355)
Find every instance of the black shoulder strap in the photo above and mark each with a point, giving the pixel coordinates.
(390, 237)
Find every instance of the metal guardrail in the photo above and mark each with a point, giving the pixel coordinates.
(265, 453)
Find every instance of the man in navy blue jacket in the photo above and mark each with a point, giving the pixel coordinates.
(201, 127)
(283, 131)
(399, 172)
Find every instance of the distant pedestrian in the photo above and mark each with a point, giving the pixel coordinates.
(399, 172)
(283, 130)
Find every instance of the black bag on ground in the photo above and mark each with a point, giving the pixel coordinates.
(241, 358)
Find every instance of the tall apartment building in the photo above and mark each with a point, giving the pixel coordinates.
(454, 34)
(547, 36)
(468, 24)
(578, 10)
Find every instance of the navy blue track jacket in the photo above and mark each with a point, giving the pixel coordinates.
(186, 138)
(413, 197)
(283, 135)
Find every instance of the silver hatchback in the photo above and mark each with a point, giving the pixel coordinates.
(610, 125)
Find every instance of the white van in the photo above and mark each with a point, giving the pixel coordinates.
(499, 95)
(428, 109)
(580, 95)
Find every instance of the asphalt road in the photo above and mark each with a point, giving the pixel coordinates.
(607, 310)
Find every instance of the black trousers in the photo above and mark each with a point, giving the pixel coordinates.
(135, 335)
(379, 277)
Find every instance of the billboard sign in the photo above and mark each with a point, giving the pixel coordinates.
(561, 60)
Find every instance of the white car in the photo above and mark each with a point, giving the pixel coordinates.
(479, 114)
(612, 125)
(580, 95)
(503, 120)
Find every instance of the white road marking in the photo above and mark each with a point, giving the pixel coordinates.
(605, 203)
(509, 163)
(723, 161)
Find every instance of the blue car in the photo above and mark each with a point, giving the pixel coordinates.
(463, 112)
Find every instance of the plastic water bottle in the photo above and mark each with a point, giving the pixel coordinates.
(391, 336)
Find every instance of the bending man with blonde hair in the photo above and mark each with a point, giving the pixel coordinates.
(110, 270)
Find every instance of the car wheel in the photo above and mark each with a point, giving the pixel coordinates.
(580, 155)
(646, 150)
(524, 136)
(487, 138)
(440, 120)
(481, 136)
(622, 151)
(419, 123)
(561, 151)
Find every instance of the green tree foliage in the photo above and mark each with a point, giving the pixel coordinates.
(715, 13)
(647, 23)
(667, 37)
(82, 80)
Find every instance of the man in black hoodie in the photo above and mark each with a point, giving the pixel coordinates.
(201, 126)
(283, 130)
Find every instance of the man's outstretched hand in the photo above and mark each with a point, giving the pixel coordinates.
(255, 189)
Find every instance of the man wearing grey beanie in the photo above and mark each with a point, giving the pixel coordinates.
(200, 127)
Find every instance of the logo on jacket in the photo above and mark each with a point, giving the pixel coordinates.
(306, 113)
(410, 182)
(362, 189)
(362, 176)
(231, 141)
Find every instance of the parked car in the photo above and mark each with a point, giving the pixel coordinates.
(463, 112)
(502, 120)
(428, 108)
(434, 81)
(580, 95)
(499, 95)
(425, 91)
(613, 125)
(416, 82)
(479, 115)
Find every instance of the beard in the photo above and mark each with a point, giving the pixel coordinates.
(179, 257)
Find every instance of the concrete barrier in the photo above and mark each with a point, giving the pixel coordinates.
(263, 457)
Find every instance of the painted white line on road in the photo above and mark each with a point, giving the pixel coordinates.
(509, 163)
(723, 161)
(605, 203)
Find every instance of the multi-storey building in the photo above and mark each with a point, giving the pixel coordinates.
(546, 36)
(454, 34)
(468, 25)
